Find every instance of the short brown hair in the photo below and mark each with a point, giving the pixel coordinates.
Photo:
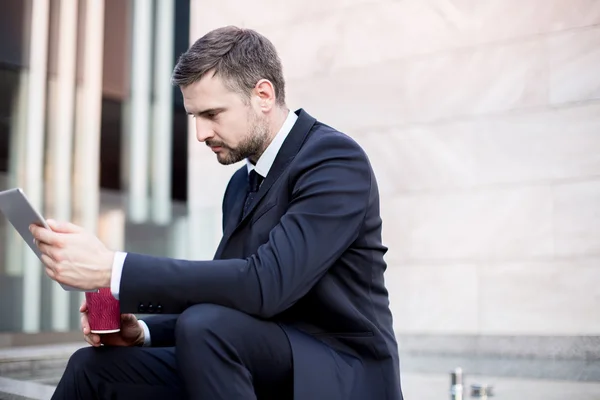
(241, 57)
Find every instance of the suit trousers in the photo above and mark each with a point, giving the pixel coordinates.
(220, 353)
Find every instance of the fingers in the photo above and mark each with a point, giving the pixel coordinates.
(88, 336)
(88, 339)
(43, 235)
(92, 339)
(49, 271)
(128, 318)
(64, 227)
(85, 325)
(52, 252)
(50, 263)
(53, 235)
(50, 267)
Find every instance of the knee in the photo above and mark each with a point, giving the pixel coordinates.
(93, 361)
(82, 360)
(203, 321)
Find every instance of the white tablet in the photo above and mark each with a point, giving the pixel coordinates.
(20, 213)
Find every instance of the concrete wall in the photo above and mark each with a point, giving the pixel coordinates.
(482, 121)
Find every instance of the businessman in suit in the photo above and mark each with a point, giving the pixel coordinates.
(293, 305)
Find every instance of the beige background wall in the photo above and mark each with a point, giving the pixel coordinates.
(482, 121)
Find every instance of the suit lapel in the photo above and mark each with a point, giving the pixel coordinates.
(288, 151)
(286, 154)
(234, 205)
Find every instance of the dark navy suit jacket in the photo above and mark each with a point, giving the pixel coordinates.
(308, 255)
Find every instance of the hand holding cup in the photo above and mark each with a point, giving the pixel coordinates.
(130, 333)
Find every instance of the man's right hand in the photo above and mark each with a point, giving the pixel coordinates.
(131, 333)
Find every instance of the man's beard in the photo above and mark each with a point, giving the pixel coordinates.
(252, 146)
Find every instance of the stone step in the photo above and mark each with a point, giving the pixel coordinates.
(32, 372)
(33, 359)
(11, 389)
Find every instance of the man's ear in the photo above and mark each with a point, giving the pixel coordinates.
(265, 91)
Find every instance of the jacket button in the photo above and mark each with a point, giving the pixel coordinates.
(158, 308)
(141, 308)
(150, 308)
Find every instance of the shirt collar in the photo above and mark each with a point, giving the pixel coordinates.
(266, 160)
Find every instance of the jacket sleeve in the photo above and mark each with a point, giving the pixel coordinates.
(331, 187)
(162, 330)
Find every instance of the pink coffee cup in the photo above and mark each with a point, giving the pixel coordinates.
(104, 312)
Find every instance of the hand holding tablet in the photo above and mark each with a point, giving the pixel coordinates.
(79, 246)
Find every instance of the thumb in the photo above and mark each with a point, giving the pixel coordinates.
(128, 319)
(52, 223)
(63, 227)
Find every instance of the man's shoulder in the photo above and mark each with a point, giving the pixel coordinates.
(327, 141)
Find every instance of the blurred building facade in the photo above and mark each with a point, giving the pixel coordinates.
(93, 131)
(481, 120)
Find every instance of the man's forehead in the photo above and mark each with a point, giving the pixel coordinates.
(208, 85)
(207, 93)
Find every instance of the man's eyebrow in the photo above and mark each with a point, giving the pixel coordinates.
(207, 111)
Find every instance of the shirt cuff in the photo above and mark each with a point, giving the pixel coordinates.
(146, 333)
(117, 270)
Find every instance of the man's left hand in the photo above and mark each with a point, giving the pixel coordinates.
(72, 256)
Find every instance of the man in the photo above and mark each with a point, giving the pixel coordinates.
(294, 303)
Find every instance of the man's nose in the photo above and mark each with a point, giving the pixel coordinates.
(203, 130)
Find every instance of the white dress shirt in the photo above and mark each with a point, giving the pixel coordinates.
(262, 167)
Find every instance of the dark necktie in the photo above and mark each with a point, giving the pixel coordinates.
(254, 181)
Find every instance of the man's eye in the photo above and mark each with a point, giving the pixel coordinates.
(211, 115)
